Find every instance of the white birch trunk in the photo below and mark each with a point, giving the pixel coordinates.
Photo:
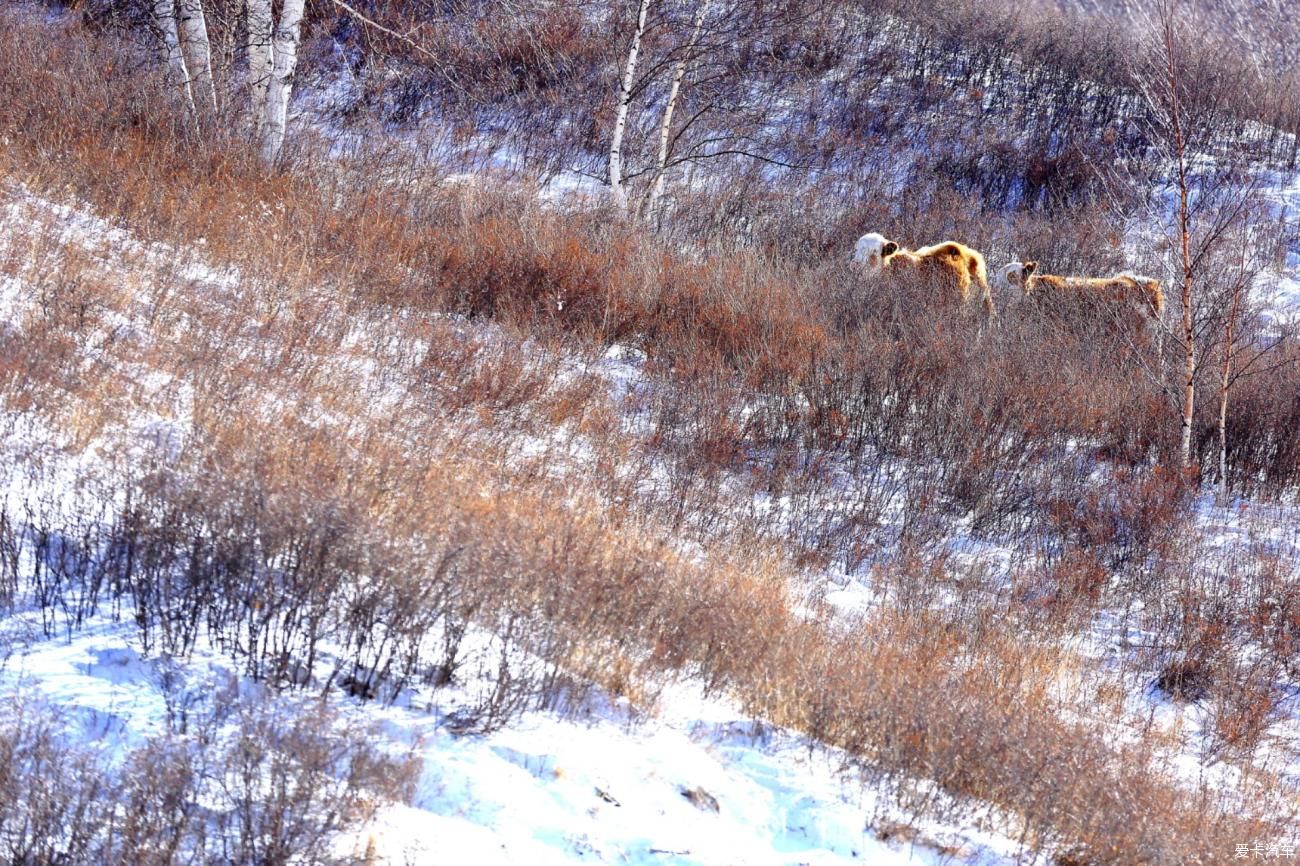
(1189, 339)
(1225, 382)
(164, 13)
(260, 60)
(666, 124)
(617, 194)
(1225, 378)
(285, 48)
(198, 52)
(1184, 238)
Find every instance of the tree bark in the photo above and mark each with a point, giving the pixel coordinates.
(1224, 382)
(666, 124)
(284, 45)
(1225, 378)
(198, 52)
(1184, 244)
(164, 13)
(617, 193)
(261, 57)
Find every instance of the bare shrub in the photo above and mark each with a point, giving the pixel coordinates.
(289, 789)
(54, 804)
(288, 782)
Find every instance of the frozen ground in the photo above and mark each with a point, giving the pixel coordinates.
(697, 783)
(598, 784)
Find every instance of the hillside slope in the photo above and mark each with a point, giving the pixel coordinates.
(357, 511)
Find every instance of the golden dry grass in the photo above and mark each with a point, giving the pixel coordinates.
(315, 386)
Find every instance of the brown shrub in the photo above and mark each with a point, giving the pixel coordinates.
(419, 523)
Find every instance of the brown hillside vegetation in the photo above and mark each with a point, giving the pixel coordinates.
(362, 392)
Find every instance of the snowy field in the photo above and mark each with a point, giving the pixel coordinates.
(691, 781)
(696, 783)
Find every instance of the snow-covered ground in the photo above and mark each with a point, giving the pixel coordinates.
(694, 781)
(1278, 289)
(698, 783)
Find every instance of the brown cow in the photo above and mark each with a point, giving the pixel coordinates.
(1118, 296)
(952, 266)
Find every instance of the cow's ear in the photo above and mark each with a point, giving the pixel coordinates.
(1030, 267)
(888, 249)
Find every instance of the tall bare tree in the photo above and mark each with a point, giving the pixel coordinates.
(261, 59)
(1208, 199)
(164, 14)
(1248, 336)
(284, 45)
(625, 90)
(1237, 300)
(650, 206)
(1178, 150)
(198, 52)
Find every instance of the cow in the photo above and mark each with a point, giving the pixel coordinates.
(1138, 299)
(955, 268)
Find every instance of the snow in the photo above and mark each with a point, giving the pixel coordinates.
(604, 785)
(549, 790)
(603, 782)
(599, 783)
(1278, 288)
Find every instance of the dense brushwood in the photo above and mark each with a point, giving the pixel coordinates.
(884, 422)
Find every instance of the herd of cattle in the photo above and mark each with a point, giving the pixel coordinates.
(959, 274)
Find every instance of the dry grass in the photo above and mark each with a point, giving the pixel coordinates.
(408, 475)
(595, 592)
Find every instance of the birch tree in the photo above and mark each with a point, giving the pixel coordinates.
(284, 47)
(197, 50)
(1240, 286)
(164, 13)
(260, 25)
(651, 205)
(617, 193)
(1248, 341)
(1207, 202)
(1183, 218)
(723, 52)
(272, 62)
(272, 51)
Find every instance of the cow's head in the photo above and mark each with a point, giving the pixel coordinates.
(1016, 275)
(873, 251)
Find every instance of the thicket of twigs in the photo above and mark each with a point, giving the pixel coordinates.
(365, 499)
